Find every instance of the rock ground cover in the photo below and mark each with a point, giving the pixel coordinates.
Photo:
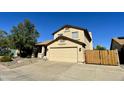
(20, 62)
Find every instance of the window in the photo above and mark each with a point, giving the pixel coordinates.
(61, 40)
(74, 35)
(60, 34)
(66, 31)
(79, 49)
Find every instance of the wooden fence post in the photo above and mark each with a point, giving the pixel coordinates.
(118, 61)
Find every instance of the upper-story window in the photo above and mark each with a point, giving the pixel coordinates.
(62, 40)
(60, 34)
(66, 31)
(75, 35)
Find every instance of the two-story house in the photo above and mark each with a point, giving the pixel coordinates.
(69, 45)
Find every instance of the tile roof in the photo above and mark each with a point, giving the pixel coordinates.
(43, 43)
(48, 42)
(76, 27)
(67, 38)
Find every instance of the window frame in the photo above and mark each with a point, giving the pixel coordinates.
(76, 36)
(60, 35)
(61, 40)
(67, 30)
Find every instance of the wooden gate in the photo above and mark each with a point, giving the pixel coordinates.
(103, 57)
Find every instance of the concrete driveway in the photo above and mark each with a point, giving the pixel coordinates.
(62, 71)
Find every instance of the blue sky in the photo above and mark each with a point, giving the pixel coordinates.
(104, 26)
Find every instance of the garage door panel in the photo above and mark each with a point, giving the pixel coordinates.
(63, 54)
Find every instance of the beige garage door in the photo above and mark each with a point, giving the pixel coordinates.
(63, 54)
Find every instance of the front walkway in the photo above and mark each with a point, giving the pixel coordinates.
(62, 71)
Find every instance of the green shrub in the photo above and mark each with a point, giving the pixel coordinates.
(5, 52)
(5, 59)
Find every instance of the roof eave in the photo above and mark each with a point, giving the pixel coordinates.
(87, 33)
(61, 37)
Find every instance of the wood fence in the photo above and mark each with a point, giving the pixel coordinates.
(103, 57)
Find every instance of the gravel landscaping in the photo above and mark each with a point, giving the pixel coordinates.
(20, 62)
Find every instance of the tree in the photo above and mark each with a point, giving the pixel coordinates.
(3, 39)
(99, 47)
(4, 44)
(24, 36)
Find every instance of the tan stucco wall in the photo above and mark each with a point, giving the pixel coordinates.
(81, 36)
(89, 45)
(69, 34)
(67, 43)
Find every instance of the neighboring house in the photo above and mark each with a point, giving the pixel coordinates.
(118, 43)
(69, 45)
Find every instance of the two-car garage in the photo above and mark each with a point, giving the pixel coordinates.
(69, 50)
(65, 54)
